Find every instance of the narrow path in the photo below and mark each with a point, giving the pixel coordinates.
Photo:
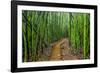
(61, 51)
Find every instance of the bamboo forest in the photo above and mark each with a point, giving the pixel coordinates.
(54, 36)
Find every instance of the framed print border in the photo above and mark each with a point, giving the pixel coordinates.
(14, 33)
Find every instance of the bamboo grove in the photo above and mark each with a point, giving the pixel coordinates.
(42, 28)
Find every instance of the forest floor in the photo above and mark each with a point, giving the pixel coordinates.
(60, 50)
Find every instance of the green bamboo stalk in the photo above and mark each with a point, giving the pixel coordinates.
(84, 54)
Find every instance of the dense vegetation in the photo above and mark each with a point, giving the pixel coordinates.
(42, 28)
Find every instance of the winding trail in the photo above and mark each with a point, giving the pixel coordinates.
(61, 51)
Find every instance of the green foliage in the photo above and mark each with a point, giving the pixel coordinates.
(41, 28)
(79, 33)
